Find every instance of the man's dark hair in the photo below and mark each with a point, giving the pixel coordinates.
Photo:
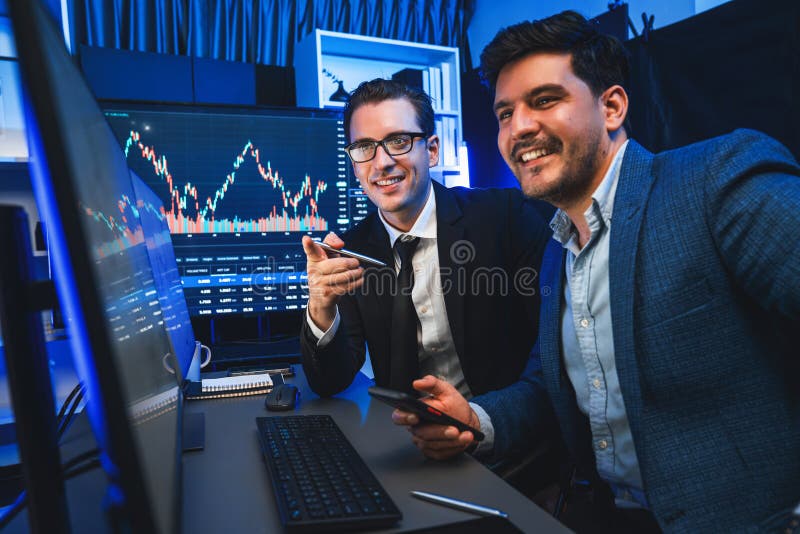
(599, 60)
(378, 90)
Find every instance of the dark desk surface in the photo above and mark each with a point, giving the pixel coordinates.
(226, 488)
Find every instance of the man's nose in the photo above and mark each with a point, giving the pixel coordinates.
(382, 158)
(524, 122)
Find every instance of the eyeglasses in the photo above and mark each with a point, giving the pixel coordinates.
(394, 145)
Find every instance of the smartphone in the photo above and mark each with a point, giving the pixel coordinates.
(411, 404)
(351, 254)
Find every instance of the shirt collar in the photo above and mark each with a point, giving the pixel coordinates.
(602, 200)
(424, 226)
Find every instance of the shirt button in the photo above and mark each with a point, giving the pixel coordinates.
(596, 383)
(584, 323)
(602, 444)
(423, 309)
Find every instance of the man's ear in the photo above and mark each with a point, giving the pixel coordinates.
(432, 143)
(615, 107)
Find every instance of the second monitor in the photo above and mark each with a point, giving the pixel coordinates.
(240, 187)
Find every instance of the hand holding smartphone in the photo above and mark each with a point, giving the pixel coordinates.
(411, 404)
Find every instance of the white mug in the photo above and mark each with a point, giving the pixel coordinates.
(194, 368)
(193, 374)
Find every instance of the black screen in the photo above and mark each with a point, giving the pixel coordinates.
(240, 186)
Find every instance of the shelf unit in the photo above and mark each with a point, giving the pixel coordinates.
(325, 58)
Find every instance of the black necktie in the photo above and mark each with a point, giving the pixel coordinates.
(404, 365)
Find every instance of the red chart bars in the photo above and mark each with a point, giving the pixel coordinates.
(190, 213)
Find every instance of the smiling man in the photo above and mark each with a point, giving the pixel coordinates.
(465, 306)
(666, 339)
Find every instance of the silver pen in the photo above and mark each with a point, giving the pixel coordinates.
(458, 504)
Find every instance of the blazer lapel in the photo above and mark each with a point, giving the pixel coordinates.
(572, 422)
(377, 299)
(550, 317)
(449, 231)
(633, 189)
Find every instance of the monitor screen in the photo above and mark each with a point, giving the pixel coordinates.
(167, 279)
(240, 186)
(104, 278)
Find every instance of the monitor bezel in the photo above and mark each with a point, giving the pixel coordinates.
(57, 198)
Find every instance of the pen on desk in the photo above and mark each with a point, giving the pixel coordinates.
(458, 504)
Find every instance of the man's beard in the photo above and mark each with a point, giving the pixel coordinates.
(575, 179)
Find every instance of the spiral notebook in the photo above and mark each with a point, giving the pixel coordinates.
(231, 386)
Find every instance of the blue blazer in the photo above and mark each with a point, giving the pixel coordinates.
(705, 299)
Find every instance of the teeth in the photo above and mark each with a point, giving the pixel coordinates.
(533, 154)
(388, 181)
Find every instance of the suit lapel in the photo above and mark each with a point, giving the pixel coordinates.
(572, 421)
(550, 316)
(633, 189)
(449, 230)
(377, 299)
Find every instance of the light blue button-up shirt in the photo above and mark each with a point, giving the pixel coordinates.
(588, 341)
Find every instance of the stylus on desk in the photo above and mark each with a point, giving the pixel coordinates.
(458, 504)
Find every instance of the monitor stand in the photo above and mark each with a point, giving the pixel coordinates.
(21, 302)
(194, 431)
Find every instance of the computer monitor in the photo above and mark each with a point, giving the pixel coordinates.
(240, 187)
(172, 303)
(104, 279)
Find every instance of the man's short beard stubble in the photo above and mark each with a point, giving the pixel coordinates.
(576, 178)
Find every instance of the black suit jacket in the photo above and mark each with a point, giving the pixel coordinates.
(490, 244)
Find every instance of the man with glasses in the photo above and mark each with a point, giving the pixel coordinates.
(465, 306)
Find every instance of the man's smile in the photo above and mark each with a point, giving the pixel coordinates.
(389, 180)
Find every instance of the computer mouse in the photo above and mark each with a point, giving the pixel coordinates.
(282, 397)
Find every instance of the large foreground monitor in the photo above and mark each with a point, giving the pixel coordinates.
(105, 281)
(240, 187)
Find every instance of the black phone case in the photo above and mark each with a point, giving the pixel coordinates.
(407, 403)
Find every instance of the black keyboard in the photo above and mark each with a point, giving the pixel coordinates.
(320, 481)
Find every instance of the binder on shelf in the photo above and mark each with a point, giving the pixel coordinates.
(229, 386)
(439, 126)
(449, 137)
(447, 103)
(436, 86)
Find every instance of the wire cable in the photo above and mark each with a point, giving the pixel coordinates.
(72, 393)
(70, 469)
(67, 421)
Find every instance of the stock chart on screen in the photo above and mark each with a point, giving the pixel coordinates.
(239, 187)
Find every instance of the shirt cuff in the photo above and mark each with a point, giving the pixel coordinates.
(323, 338)
(486, 446)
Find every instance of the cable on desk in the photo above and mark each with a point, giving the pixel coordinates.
(66, 416)
(72, 393)
(65, 420)
(71, 467)
(72, 462)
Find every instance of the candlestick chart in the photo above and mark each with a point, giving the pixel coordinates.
(237, 188)
(189, 212)
(234, 174)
